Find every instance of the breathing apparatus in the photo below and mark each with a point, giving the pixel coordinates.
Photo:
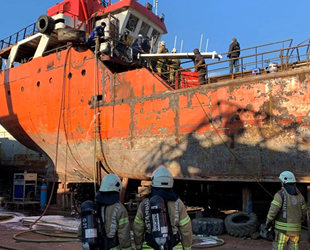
(159, 221)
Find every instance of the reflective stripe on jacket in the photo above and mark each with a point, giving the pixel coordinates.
(288, 211)
(180, 223)
(117, 224)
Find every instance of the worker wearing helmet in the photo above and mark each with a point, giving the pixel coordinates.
(114, 231)
(178, 221)
(162, 63)
(287, 210)
(137, 47)
(174, 65)
(200, 66)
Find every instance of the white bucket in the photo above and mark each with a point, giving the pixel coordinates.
(273, 67)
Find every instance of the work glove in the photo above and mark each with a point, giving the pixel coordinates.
(268, 224)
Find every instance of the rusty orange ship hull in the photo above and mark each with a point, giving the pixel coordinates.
(238, 130)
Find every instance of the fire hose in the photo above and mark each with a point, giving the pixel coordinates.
(203, 244)
(70, 235)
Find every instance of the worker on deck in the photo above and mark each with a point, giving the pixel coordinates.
(233, 54)
(146, 48)
(200, 67)
(174, 65)
(123, 45)
(137, 47)
(287, 210)
(162, 63)
(98, 32)
(176, 219)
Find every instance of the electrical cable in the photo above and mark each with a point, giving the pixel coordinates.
(233, 154)
(57, 140)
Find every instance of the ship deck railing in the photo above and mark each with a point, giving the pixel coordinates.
(285, 59)
(18, 36)
(28, 31)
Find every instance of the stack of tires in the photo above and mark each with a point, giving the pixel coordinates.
(239, 224)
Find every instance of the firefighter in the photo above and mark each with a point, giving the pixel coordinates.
(161, 63)
(287, 210)
(174, 65)
(113, 226)
(178, 221)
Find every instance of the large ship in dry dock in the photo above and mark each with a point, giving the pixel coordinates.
(95, 113)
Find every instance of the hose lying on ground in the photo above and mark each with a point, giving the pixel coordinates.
(70, 238)
(206, 245)
(9, 248)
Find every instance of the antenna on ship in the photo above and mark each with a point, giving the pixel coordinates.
(207, 43)
(181, 46)
(156, 6)
(175, 42)
(200, 42)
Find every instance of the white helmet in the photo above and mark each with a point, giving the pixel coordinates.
(111, 182)
(140, 35)
(162, 43)
(162, 178)
(287, 177)
(174, 50)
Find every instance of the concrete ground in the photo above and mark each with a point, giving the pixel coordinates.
(14, 226)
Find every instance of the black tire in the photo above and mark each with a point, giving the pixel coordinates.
(241, 224)
(45, 24)
(208, 226)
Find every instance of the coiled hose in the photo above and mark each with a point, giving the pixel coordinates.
(70, 235)
(206, 245)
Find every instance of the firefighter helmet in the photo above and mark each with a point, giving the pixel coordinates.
(162, 43)
(162, 178)
(111, 182)
(174, 50)
(287, 177)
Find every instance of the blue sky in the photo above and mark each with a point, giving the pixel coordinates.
(251, 22)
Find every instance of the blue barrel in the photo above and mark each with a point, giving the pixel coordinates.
(255, 71)
(43, 195)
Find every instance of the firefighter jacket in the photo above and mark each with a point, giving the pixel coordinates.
(175, 63)
(116, 225)
(288, 211)
(162, 50)
(180, 223)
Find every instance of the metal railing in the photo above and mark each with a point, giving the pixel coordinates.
(263, 46)
(282, 57)
(18, 36)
